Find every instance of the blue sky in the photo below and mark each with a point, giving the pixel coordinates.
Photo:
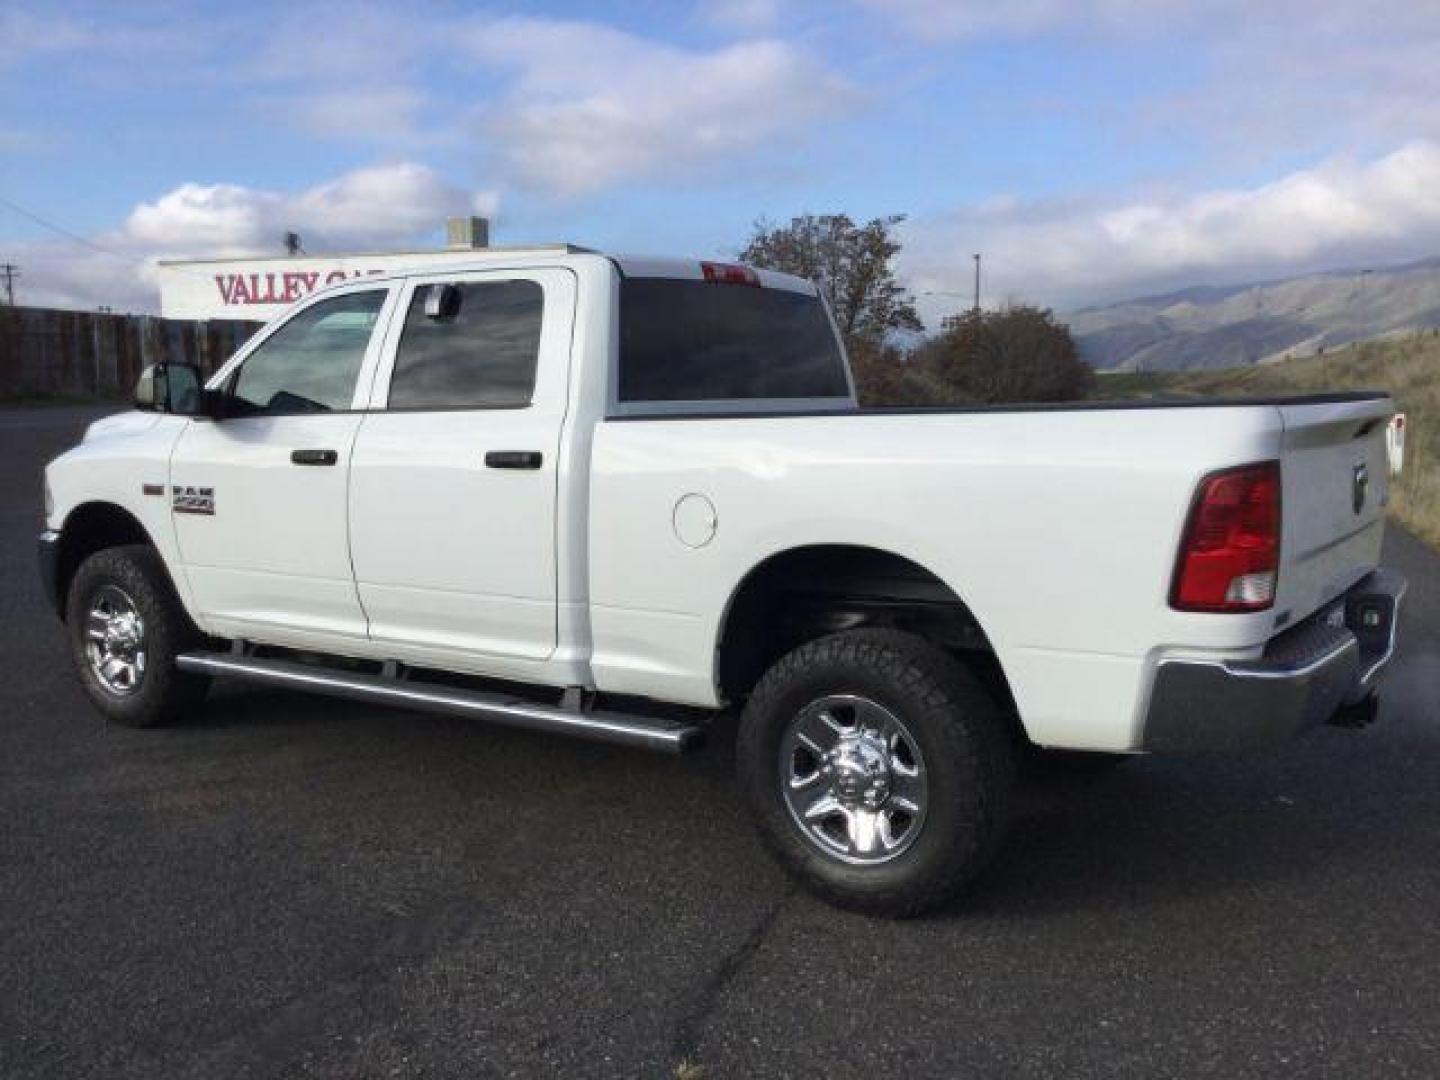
(1090, 148)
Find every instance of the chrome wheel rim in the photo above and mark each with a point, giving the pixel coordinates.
(853, 779)
(115, 641)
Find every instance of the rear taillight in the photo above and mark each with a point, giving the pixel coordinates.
(1395, 443)
(1230, 554)
(729, 273)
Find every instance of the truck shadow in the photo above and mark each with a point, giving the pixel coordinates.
(1163, 831)
(1152, 832)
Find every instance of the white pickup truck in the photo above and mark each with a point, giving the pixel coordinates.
(609, 497)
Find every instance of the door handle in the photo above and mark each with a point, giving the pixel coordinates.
(313, 457)
(514, 459)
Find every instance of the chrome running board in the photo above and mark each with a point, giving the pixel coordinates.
(612, 727)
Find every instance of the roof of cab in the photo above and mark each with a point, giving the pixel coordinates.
(694, 270)
(650, 266)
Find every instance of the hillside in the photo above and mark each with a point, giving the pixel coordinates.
(1229, 327)
(1408, 367)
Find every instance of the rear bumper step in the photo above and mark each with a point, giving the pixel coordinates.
(1324, 670)
(620, 728)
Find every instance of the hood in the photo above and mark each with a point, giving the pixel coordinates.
(130, 422)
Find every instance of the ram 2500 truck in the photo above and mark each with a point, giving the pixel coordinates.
(608, 497)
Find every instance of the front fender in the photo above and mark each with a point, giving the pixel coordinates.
(124, 461)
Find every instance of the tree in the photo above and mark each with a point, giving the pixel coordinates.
(881, 374)
(851, 265)
(1017, 354)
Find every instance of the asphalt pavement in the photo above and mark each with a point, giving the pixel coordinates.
(293, 886)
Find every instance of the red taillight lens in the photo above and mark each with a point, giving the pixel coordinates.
(729, 273)
(1230, 553)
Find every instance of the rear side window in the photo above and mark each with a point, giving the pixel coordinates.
(702, 341)
(480, 354)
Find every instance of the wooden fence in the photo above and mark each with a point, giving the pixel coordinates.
(50, 353)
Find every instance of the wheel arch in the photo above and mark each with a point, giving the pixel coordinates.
(806, 591)
(90, 527)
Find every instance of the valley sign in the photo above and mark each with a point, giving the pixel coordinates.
(259, 289)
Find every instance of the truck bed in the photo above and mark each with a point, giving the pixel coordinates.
(1115, 405)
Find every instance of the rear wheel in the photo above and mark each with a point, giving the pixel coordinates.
(878, 769)
(126, 627)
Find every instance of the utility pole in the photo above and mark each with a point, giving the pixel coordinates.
(977, 283)
(11, 272)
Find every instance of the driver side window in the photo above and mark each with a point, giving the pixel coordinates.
(311, 363)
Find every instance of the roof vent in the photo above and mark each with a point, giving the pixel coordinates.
(467, 233)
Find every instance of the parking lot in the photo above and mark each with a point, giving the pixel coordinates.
(297, 886)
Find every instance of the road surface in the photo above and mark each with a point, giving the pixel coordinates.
(303, 887)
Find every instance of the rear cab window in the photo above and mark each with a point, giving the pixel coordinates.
(725, 345)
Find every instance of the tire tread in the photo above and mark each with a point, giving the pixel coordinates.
(960, 716)
(167, 693)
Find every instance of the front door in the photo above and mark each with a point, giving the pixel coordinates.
(453, 483)
(259, 497)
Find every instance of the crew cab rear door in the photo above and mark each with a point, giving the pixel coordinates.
(454, 477)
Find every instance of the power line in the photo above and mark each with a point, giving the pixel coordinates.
(38, 220)
(11, 272)
(134, 260)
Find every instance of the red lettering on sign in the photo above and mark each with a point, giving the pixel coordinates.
(279, 288)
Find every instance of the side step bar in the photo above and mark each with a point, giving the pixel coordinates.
(611, 727)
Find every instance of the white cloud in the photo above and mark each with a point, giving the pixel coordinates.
(560, 105)
(386, 114)
(49, 32)
(1255, 83)
(950, 20)
(27, 34)
(591, 106)
(740, 16)
(377, 208)
(1337, 213)
(936, 20)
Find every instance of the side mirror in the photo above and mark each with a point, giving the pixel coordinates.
(171, 388)
(442, 302)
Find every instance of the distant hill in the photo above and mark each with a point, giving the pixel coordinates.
(1211, 327)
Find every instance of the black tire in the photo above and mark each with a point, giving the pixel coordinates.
(960, 733)
(161, 692)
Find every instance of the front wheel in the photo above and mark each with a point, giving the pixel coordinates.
(126, 627)
(878, 768)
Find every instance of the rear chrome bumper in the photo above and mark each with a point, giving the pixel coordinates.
(1309, 675)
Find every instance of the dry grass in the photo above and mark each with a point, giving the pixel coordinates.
(1409, 368)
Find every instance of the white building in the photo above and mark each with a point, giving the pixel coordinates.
(258, 289)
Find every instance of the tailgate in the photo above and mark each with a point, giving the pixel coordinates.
(1335, 485)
